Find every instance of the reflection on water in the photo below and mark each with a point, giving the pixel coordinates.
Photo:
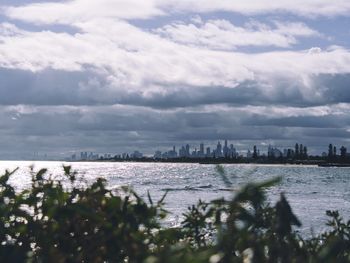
(311, 190)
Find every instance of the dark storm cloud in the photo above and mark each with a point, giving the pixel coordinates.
(194, 96)
(48, 87)
(307, 128)
(331, 89)
(328, 133)
(336, 88)
(328, 121)
(74, 111)
(125, 128)
(232, 133)
(54, 87)
(49, 121)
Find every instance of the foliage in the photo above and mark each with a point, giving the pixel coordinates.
(74, 222)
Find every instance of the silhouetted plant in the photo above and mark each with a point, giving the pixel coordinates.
(52, 221)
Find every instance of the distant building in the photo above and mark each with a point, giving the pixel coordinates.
(157, 155)
(226, 150)
(172, 153)
(83, 156)
(232, 152)
(249, 154)
(201, 151)
(208, 153)
(218, 152)
(273, 152)
(194, 153)
(136, 155)
(187, 150)
(182, 152)
(107, 156)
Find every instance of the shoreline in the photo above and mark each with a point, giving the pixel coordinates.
(319, 163)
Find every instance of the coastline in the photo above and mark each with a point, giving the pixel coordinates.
(319, 163)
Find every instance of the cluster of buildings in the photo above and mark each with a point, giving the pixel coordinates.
(219, 151)
(299, 151)
(89, 156)
(201, 152)
(229, 151)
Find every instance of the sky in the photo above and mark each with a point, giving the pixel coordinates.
(119, 75)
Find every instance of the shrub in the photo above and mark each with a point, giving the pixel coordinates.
(75, 222)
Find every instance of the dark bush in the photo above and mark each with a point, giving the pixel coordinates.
(75, 222)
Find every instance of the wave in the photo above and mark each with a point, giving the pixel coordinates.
(205, 186)
(225, 189)
(188, 188)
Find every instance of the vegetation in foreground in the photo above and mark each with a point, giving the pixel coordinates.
(56, 222)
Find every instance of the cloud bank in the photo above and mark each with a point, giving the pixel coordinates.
(202, 78)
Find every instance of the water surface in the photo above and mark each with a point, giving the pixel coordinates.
(311, 190)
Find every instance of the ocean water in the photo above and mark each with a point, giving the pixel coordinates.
(311, 190)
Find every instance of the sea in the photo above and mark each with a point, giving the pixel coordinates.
(310, 190)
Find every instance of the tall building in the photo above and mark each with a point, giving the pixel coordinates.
(232, 153)
(208, 153)
(218, 152)
(201, 147)
(172, 153)
(182, 152)
(201, 150)
(194, 153)
(273, 152)
(226, 150)
(157, 155)
(136, 155)
(249, 154)
(187, 150)
(83, 156)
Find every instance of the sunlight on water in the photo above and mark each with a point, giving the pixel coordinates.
(311, 190)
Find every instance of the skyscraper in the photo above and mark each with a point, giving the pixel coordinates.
(218, 152)
(226, 150)
(233, 153)
(201, 150)
(187, 150)
(208, 153)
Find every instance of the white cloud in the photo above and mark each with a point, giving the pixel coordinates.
(192, 70)
(315, 50)
(223, 35)
(249, 7)
(8, 30)
(82, 10)
(129, 58)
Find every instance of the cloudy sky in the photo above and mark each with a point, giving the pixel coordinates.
(119, 75)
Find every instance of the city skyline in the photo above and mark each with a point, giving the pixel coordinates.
(220, 150)
(107, 75)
